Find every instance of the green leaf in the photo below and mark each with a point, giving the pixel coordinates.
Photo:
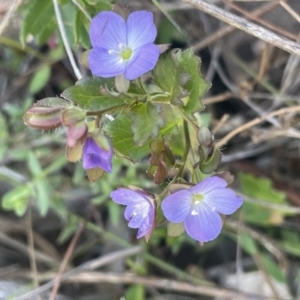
(273, 269)
(261, 188)
(69, 229)
(166, 75)
(34, 165)
(196, 85)
(122, 139)
(3, 128)
(39, 79)
(136, 291)
(39, 15)
(248, 244)
(17, 199)
(174, 229)
(42, 196)
(86, 93)
(81, 25)
(146, 121)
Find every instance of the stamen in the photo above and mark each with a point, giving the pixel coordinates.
(111, 51)
(194, 212)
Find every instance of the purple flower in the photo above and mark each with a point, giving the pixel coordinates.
(122, 47)
(96, 156)
(140, 210)
(199, 207)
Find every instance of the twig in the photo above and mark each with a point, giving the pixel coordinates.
(8, 15)
(159, 283)
(256, 121)
(228, 29)
(65, 40)
(22, 248)
(90, 265)
(65, 262)
(31, 251)
(251, 28)
(219, 98)
(290, 10)
(262, 22)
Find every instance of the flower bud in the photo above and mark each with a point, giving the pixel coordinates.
(204, 137)
(43, 117)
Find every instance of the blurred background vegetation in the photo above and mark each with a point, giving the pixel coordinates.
(53, 220)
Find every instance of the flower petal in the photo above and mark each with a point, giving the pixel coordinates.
(143, 60)
(108, 30)
(146, 225)
(208, 184)
(95, 156)
(177, 206)
(127, 197)
(223, 201)
(104, 64)
(140, 29)
(203, 226)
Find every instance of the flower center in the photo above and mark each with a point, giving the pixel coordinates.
(126, 53)
(197, 199)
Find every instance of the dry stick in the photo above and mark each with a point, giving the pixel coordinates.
(251, 28)
(40, 256)
(228, 29)
(256, 121)
(65, 262)
(90, 265)
(159, 283)
(31, 251)
(290, 10)
(262, 22)
(219, 98)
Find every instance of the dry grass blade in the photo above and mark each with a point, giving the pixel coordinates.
(251, 28)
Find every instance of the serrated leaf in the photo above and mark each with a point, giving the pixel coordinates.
(17, 199)
(86, 94)
(39, 79)
(146, 121)
(122, 139)
(39, 14)
(166, 75)
(196, 85)
(261, 188)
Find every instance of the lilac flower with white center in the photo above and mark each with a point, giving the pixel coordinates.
(140, 210)
(96, 156)
(199, 207)
(122, 47)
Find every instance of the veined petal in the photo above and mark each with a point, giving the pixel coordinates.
(104, 64)
(127, 197)
(146, 225)
(108, 30)
(140, 29)
(94, 156)
(177, 206)
(223, 201)
(143, 60)
(208, 184)
(203, 226)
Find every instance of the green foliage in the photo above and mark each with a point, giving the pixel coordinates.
(120, 132)
(146, 121)
(17, 199)
(38, 20)
(39, 79)
(136, 291)
(273, 269)
(261, 188)
(87, 94)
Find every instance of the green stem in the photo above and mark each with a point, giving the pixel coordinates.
(186, 118)
(105, 111)
(16, 45)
